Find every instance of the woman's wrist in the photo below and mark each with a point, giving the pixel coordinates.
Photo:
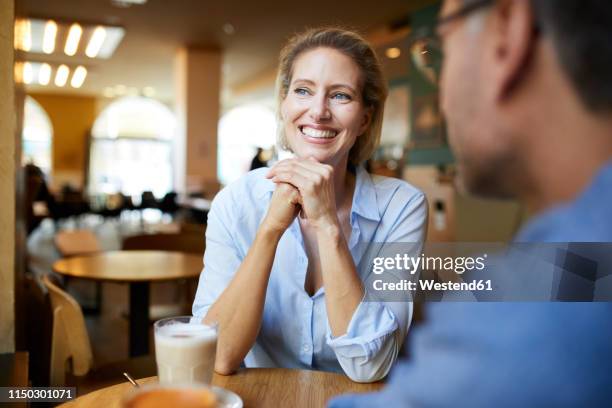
(270, 231)
(328, 226)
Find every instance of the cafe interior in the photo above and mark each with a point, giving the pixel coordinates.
(122, 119)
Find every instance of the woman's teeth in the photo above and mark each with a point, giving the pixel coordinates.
(319, 134)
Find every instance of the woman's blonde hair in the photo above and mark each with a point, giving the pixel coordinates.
(374, 90)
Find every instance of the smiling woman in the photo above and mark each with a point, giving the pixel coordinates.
(285, 289)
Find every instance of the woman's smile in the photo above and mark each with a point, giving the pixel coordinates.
(318, 134)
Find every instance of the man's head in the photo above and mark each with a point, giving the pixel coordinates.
(507, 64)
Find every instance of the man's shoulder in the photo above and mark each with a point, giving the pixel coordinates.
(588, 218)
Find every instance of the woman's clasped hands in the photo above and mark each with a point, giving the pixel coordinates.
(314, 184)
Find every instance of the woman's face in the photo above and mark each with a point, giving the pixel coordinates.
(323, 113)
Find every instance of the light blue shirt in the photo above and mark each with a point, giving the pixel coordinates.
(295, 332)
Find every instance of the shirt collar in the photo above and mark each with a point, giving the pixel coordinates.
(364, 199)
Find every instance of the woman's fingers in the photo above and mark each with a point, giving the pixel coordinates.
(299, 179)
(311, 169)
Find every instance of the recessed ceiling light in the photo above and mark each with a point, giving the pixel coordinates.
(18, 72)
(95, 42)
(393, 52)
(228, 29)
(127, 3)
(44, 74)
(148, 91)
(61, 76)
(78, 77)
(49, 37)
(23, 34)
(28, 74)
(108, 92)
(42, 36)
(120, 90)
(72, 42)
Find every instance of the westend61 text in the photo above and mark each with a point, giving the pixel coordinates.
(429, 285)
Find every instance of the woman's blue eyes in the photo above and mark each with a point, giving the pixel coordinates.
(341, 96)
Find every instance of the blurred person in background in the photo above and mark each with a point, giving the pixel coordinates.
(526, 87)
(285, 289)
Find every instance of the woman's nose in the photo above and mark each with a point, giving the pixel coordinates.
(319, 110)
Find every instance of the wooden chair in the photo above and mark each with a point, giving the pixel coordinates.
(77, 243)
(72, 361)
(69, 338)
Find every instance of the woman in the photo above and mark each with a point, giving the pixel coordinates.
(281, 243)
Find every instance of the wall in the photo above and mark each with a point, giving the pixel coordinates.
(7, 179)
(72, 118)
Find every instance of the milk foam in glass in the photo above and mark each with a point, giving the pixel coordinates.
(184, 350)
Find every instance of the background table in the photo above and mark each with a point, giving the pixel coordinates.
(138, 268)
(258, 387)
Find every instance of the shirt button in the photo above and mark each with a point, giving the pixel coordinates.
(306, 348)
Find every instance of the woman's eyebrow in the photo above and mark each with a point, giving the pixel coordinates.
(310, 82)
(350, 88)
(306, 81)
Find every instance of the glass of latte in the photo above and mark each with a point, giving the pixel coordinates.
(185, 350)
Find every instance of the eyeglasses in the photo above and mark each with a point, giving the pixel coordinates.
(426, 45)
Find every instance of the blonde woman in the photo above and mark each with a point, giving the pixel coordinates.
(281, 244)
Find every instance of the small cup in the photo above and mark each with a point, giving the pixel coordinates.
(163, 396)
(185, 351)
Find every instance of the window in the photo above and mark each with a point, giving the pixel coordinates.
(131, 150)
(37, 135)
(241, 131)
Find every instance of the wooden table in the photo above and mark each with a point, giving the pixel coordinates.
(258, 387)
(138, 269)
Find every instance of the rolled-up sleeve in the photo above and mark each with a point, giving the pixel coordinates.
(377, 328)
(221, 257)
(370, 345)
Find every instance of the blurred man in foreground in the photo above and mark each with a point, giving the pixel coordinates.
(527, 93)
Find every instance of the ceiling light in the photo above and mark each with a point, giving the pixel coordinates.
(393, 52)
(78, 77)
(34, 35)
(44, 74)
(127, 3)
(18, 72)
(95, 42)
(28, 73)
(228, 29)
(148, 91)
(72, 42)
(108, 92)
(23, 35)
(120, 89)
(61, 76)
(49, 37)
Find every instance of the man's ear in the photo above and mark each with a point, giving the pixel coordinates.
(367, 119)
(513, 42)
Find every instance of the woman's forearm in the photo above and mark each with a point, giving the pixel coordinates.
(238, 311)
(343, 287)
